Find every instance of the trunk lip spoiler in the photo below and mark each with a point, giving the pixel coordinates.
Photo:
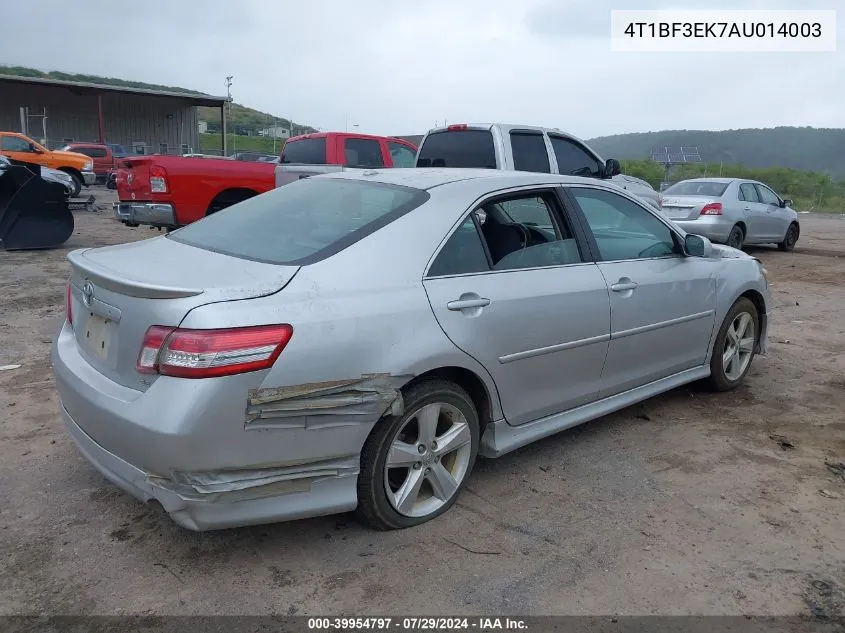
(116, 282)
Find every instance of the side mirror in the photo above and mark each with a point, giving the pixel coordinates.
(785, 203)
(34, 149)
(697, 246)
(612, 168)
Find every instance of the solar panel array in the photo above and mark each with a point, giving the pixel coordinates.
(675, 155)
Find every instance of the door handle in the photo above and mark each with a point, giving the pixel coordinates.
(463, 304)
(622, 286)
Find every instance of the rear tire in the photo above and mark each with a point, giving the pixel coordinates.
(736, 238)
(735, 346)
(432, 446)
(790, 239)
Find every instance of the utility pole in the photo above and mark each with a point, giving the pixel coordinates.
(229, 108)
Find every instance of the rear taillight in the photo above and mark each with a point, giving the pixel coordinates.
(69, 305)
(208, 353)
(158, 179)
(713, 208)
(457, 127)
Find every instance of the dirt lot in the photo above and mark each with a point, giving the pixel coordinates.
(681, 505)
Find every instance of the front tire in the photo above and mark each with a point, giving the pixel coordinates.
(77, 184)
(413, 466)
(789, 240)
(735, 346)
(736, 238)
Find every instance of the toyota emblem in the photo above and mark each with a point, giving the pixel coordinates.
(87, 293)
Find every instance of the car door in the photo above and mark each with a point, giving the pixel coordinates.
(774, 217)
(515, 289)
(662, 303)
(753, 212)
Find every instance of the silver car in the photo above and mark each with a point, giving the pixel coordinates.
(732, 211)
(356, 340)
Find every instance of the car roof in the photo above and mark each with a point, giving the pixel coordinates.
(430, 177)
(503, 126)
(722, 180)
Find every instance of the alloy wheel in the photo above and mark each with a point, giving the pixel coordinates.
(739, 346)
(428, 459)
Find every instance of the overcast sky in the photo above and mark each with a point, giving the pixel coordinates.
(400, 67)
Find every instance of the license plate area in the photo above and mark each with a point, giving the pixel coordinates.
(97, 336)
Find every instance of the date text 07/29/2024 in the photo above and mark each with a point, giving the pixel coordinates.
(416, 624)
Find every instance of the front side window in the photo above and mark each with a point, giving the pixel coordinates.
(767, 196)
(573, 159)
(361, 152)
(401, 155)
(15, 144)
(303, 222)
(529, 152)
(622, 228)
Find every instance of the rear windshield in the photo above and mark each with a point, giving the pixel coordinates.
(459, 148)
(302, 222)
(308, 151)
(697, 188)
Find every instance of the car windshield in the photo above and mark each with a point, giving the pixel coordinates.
(302, 222)
(458, 148)
(697, 188)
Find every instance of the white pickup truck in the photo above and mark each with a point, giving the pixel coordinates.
(523, 148)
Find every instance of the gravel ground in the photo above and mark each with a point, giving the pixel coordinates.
(681, 505)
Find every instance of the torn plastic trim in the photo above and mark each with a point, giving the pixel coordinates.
(326, 404)
(256, 481)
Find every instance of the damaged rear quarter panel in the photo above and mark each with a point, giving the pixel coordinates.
(361, 330)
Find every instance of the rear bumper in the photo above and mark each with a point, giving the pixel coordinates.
(715, 228)
(198, 459)
(154, 213)
(89, 177)
(325, 496)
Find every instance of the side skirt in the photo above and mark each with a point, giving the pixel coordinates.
(500, 437)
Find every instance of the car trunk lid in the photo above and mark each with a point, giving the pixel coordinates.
(684, 207)
(118, 292)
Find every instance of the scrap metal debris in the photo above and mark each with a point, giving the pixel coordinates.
(830, 494)
(837, 468)
(9, 367)
(784, 442)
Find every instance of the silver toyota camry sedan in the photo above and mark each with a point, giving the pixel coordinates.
(732, 211)
(354, 341)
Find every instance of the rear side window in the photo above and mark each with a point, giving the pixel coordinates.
(308, 151)
(462, 254)
(93, 152)
(458, 148)
(302, 222)
(362, 152)
(573, 159)
(748, 193)
(529, 152)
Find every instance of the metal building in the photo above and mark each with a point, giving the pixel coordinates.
(143, 121)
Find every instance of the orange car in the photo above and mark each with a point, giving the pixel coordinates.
(78, 166)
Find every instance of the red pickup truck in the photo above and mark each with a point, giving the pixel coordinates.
(171, 191)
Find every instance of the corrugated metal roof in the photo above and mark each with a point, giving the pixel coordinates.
(194, 98)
